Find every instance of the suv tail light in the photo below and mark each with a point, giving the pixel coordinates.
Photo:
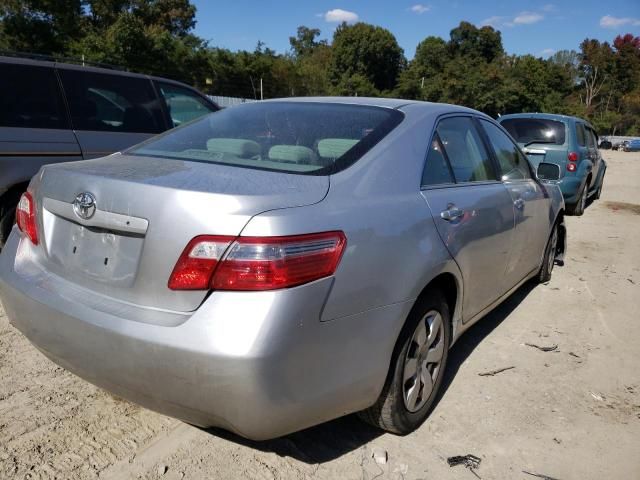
(26, 217)
(257, 263)
(572, 156)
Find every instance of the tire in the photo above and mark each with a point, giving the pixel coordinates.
(404, 405)
(599, 191)
(581, 204)
(544, 275)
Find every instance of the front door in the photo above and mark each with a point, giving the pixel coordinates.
(472, 210)
(530, 202)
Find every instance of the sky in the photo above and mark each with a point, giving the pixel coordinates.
(535, 27)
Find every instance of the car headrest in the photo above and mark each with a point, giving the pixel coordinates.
(292, 154)
(234, 146)
(335, 147)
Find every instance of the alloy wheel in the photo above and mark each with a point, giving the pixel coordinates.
(423, 360)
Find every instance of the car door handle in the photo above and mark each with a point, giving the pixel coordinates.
(451, 213)
(518, 203)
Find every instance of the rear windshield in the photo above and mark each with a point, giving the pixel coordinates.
(535, 130)
(295, 137)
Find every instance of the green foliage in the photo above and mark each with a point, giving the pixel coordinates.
(600, 82)
(364, 52)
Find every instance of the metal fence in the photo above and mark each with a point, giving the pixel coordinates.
(225, 102)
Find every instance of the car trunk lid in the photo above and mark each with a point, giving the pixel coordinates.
(146, 211)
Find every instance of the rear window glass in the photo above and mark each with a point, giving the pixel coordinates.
(535, 130)
(296, 137)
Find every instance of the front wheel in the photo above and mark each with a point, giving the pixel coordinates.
(417, 368)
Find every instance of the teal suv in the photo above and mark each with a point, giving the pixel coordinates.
(569, 142)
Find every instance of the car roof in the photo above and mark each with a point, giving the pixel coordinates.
(86, 68)
(546, 116)
(394, 103)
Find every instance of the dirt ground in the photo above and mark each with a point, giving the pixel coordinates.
(571, 413)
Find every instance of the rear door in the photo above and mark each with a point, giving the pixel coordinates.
(530, 204)
(472, 210)
(111, 112)
(34, 125)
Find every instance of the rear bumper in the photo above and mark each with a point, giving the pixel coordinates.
(259, 364)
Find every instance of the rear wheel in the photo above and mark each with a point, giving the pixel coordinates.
(417, 368)
(544, 275)
(581, 204)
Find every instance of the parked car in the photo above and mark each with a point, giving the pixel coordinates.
(54, 112)
(605, 145)
(267, 283)
(571, 143)
(620, 145)
(632, 146)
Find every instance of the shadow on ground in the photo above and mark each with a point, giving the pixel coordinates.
(336, 438)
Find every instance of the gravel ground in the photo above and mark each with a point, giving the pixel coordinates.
(572, 413)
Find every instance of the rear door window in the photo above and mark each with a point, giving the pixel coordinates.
(465, 151)
(580, 134)
(436, 170)
(535, 130)
(183, 105)
(30, 98)
(512, 163)
(111, 103)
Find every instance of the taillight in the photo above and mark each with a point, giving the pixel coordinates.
(571, 167)
(573, 156)
(26, 217)
(197, 263)
(259, 263)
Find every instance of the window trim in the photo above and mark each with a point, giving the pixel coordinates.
(494, 155)
(455, 183)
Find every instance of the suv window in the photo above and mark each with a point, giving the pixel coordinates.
(535, 130)
(30, 98)
(580, 134)
(112, 103)
(591, 138)
(436, 170)
(183, 105)
(465, 151)
(513, 165)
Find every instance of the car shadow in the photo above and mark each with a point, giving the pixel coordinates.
(333, 439)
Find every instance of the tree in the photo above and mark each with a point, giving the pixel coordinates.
(368, 51)
(304, 43)
(468, 40)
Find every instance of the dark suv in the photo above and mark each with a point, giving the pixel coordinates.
(53, 112)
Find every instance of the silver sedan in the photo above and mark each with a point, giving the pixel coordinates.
(279, 264)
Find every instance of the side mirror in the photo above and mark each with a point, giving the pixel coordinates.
(548, 171)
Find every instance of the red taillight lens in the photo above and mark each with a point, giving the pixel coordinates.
(26, 217)
(198, 262)
(572, 156)
(269, 263)
(571, 167)
(257, 263)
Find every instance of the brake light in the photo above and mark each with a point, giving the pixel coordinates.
(26, 217)
(572, 156)
(197, 263)
(571, 167)
(257, 263)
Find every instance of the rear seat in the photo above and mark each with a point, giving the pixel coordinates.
(234, 146)
(293, 154)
